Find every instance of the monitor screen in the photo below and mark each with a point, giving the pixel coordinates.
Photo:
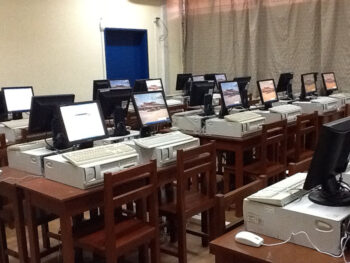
(220, 77)
(198, 91)
(267, 91)
(18, 99)
(154, 85)
(181, 81)
(230, 94)
(119, 83)
(44, 110)
(198, 78)
(329, 81)
(151, 108)
(83, 122)
(309, 83)
(99, 84)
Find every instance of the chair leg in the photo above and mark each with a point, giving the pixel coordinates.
(172, 229)
(143, 254)
(204, 225)
(155, 250)
(182, 244)
(3, 244)
(45, 235)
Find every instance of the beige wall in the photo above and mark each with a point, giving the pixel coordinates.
(57, 46)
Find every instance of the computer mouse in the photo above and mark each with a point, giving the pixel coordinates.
(248, 238)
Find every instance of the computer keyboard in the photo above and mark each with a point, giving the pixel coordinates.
(162, 139)
(340, 95)
(242, 116)
(283, 192)
(324, 100)
(15, 124)
(116, 151)
(285, 108)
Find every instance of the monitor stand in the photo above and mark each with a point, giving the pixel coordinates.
(223, 112)
(59, 140)
(145, 131)
(208, 107)
(17, 115)
(119, 122)
(267, 105)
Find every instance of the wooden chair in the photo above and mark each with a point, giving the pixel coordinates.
(3, 150)
(224, 201)
(195, 193)
(271, 157)
(347, 110)
(120, 235)
(305, 143)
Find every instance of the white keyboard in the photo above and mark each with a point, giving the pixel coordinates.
(242, 116)
(286, 108)
(324, 100)
(15, 124)
(116, 151)
(283, 192)
(162, 139)
(340, 95)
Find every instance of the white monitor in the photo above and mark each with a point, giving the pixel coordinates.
(83, 122)
(154, 84)
(119, 83)
(18, 99)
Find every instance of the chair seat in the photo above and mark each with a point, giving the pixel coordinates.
(194, 203)
(129, 231)
(271, 168)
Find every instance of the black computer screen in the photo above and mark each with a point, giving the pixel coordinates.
(198, 90)
(99, 84)
(284, 82)
(181, 81)
(140, 85)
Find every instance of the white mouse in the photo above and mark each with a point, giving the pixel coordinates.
(249, 239)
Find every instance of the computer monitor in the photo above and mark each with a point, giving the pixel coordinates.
(329, 82)
(119, 83)
(181, 80)
(115, 103)
(198, 78)
(154, 85)
(151, 109)
(198, 90)
(330, 160)
(3, 111)
(267, 92)
(82, 123)
(285, 84)
(140, 86)
(243, 84)
(308, 87)
(99, 84)
(220, 77)
(44, 112)
(230, 96)
(18, 100)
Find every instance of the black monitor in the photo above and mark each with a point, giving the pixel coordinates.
(140, 85)
(198, 78)
(181, 80)
(330, 160)
(230, 96)
(198, 90)
(3, 111)
(243, 84)
(285, 84)
(119, 83)
(17, 100)
(82, 123)
(151, 109)
(99, 84)
(308, 85)
(44, 112)
(115, 103)
(267, 92)
(329, 82)
(154, 85)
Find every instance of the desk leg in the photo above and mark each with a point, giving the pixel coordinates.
(239, 168)
(32, 230)
(67, 238)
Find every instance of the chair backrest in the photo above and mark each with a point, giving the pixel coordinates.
(196, 172)
(137, 184)
(347, 110)
(3, 150)
(223, 202)
(306, 134)
(274, 143)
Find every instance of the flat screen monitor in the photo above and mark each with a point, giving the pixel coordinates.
(181, 81)
(198, 90)
(44, 111)
(329, 161)
(285, 83)
(140, 85)
(329, 82)
(220, 77)
(230, 94)
(115, 104)
(18, 100)
(309, 83)
(267, 91)
(83, 122)
(154, 85)
(198, 78)
(151, 108)
(99, 84)
(243, 84)
(119, 83)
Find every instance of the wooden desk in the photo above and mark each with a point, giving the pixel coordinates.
(227, 250)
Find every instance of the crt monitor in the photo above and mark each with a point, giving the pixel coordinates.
(285, 84)
(267, 92)
(82, 123)
(329, 82)
(230, 96)
(119, 83)
(198, 78)
(243, 84)
(154, 85)
(140, 85)
(181, 80)
(99, 84)
(198, 90)
(115, 103)
(308, 86)
(330, 160)
(18, 100)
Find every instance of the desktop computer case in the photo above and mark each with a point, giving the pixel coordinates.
(310, 107)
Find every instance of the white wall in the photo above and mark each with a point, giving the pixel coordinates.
(56, 45)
